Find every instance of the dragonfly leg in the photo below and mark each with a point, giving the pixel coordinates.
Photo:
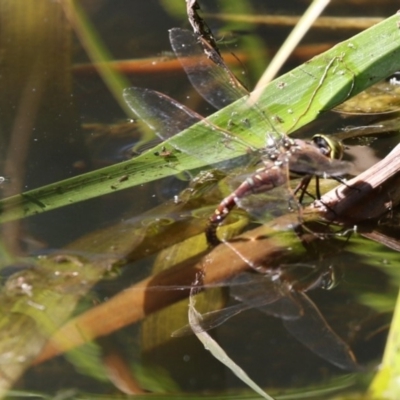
(302, 187)
(317, 188)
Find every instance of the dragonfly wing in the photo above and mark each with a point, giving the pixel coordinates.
(253, 290)
(284, 308)
(261, 292)
(277, 208)
(212, 320)
(164, 115)
(213, 81)
(309, 160)
(313, 331)
(167, 117)
(267, 200)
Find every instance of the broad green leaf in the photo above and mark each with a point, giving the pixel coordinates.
(293, 100)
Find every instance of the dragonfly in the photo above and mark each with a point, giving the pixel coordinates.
(282, 294)
(218, 85)
(271, 292)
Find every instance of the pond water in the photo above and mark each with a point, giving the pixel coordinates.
(61, 117)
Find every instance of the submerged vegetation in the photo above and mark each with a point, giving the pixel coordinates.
(114, 257)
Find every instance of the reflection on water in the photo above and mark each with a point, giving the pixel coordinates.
(49, 110)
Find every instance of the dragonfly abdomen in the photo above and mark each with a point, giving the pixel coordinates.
(263, 180)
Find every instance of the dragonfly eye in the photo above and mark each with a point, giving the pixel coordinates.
(329, 146)
(330, 279)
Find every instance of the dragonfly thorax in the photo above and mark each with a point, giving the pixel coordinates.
(280, 150)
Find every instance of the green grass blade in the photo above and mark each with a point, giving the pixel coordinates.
(386, 383)
(96, 51)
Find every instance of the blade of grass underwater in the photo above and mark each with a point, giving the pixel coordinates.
(322, 391)
(295, 98)
(96, 51)
(386, 383)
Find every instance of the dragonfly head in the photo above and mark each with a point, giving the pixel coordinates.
(328, 146)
